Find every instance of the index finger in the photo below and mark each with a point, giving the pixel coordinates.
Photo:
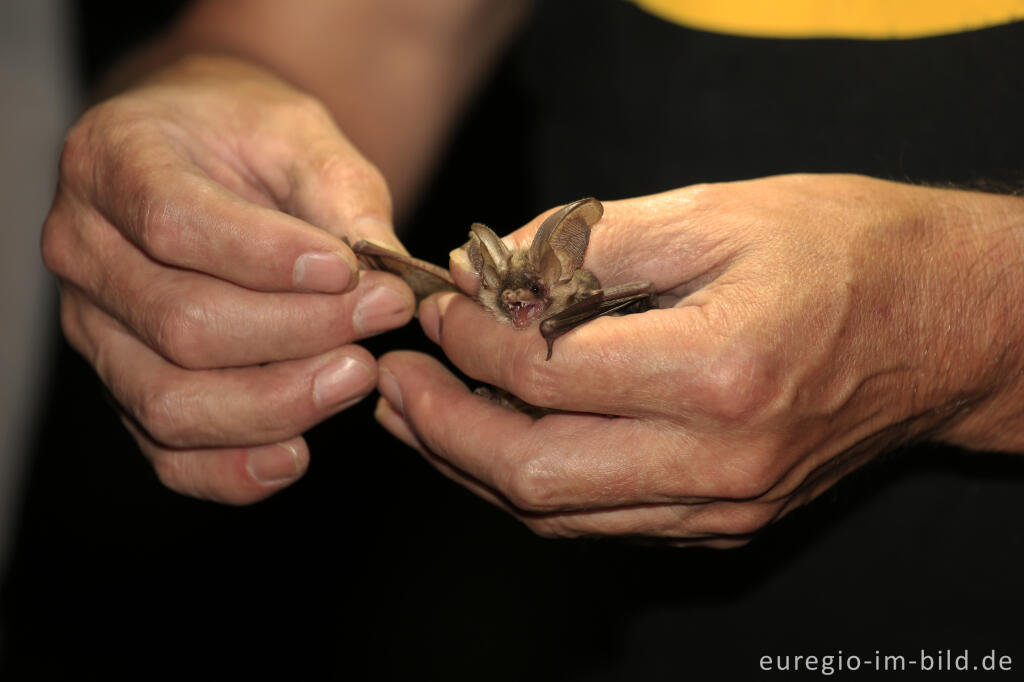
(182, 218)
(660, 238)
(184, 206)
(653, 364)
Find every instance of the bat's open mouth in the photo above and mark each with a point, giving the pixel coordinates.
(522, 313)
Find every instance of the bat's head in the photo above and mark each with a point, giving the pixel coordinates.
(518, 285)
(523, 296)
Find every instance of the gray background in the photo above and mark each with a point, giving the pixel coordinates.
(39, 100)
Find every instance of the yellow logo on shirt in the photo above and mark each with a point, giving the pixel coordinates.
(870, 19)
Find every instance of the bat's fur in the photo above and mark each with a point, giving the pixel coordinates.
(542, 282)
(523, 295)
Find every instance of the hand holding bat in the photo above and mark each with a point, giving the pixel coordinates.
(818, 320)
(544, 282)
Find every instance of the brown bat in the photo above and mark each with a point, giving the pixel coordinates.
(542, 282)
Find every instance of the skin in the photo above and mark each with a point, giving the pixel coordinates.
(820, 319)
(812, 322)
(197, 221)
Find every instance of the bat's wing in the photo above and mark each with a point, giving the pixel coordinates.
(635, 297)
(422, 277)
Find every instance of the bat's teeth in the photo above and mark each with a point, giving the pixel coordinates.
(520, 313)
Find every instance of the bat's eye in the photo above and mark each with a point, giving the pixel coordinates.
(535, 290)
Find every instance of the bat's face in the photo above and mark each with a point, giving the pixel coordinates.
(522, 306)
(523, 285)
(522, 296)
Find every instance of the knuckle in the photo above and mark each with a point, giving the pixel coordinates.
(532, 486)
(103, 159)
(61, 238)
(740, 385)
(71, 323)
(155, 218)
(54, 246)
(177, 473)
(195, 474)
(180, 331)
(133, 190)
(74, 155)
(160, 410)
(80, 150)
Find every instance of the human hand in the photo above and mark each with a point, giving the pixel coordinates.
(812, 322)
(196, 234)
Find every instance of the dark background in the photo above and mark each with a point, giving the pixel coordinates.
(374, 566)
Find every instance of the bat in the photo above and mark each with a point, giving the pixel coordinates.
(545, 281)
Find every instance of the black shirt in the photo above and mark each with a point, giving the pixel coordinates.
(374, 566)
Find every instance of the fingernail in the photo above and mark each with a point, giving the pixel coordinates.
(327, 272)
(430, 319)
(388, 387)
(431, 315)
(381, 308)
(441, 301)
(344, 381)
(272, 464)
(460, 259)
(392, 420)
(465, 276)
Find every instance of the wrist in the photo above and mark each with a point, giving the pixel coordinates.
(985, 323)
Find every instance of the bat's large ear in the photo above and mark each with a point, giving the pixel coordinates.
(488, 255)
(560, 243)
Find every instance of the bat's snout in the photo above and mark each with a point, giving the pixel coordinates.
(522, 307)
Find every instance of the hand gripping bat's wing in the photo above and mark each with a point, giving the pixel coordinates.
(635, 297)
(422, 277)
